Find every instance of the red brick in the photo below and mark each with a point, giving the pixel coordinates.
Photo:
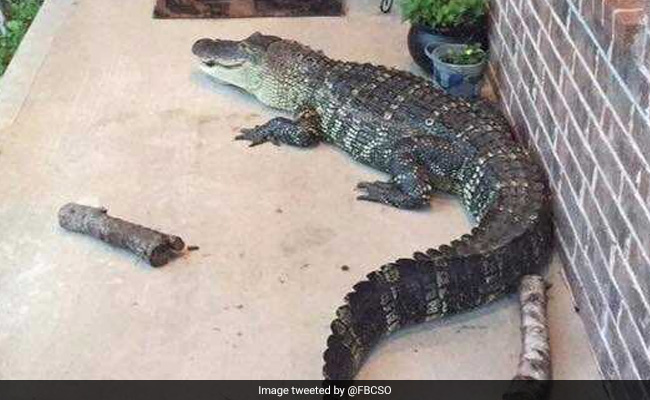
(561, 9)
(615, 13)
(545, 148)
(633, 338)
(532, 55)
(607, 120)
(641, 134)
(529, 15)
(575, 104)
(516, 22)
(639, 85)
(637, 214)
(589, 87)
(585, 160)
(621, 355)
(633, 298)
(639, 265)
(569, 163)
(527, 75)
(558, 37)
(587, 47)
(508, 36)
(627, 25)
(625, 150)
(592, 10)
(550, 57)
(543, 10)
(495, 12)
(557, 109)
(564, 228)
(606, 160)
(601, 232)
(646, 59)
(572, 204)
(519, 119)
(528, 108)
(611, 212)
(591, 287)
(643, 185)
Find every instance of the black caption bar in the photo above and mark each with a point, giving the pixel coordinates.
(307, 390)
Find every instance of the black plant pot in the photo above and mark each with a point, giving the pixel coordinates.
(420, 36)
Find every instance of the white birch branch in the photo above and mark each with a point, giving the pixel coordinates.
(534, 370)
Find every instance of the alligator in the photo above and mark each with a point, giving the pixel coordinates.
(426, 141)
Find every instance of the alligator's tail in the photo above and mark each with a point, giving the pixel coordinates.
(512, 239)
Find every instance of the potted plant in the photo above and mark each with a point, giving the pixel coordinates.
(443, 21)
(458, 68)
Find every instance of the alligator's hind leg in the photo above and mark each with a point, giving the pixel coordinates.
(303, 132)
(409, 186)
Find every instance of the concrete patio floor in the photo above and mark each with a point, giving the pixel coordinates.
(109, 109)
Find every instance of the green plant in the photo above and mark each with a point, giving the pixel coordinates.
(19, 14)
(441, 14)
(472, 54)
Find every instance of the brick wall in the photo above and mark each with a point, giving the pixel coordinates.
(574, 78)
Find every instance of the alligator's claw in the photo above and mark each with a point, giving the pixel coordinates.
(391, 194)
(258, 135)
(379, 192)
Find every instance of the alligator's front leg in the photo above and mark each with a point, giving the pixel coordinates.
(410, 184)
(303, 132)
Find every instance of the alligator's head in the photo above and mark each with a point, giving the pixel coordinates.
(266, 66)
(238, 63)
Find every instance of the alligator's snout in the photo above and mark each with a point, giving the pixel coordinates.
(202, 47)
(226, 53)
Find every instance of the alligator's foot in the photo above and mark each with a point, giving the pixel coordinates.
(261, 134)
(302, 132)
(389, 193)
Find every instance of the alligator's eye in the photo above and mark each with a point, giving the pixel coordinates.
(209, 63)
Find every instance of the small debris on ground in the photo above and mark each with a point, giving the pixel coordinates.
(192, 248)
(345, 268)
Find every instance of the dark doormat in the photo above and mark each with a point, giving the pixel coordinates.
(247, 8)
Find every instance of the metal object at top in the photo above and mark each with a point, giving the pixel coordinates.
(386, 5)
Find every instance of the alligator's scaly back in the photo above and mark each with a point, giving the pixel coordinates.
(399, 123)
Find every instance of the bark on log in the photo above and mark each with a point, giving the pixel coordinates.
(532, 381)
(155, 247)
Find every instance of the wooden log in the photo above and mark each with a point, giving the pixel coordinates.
(533, 377)
(155, 247)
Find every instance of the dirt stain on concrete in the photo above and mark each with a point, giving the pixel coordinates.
(251, 116)
(172, 113)
(117, 118)
(306, 238)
